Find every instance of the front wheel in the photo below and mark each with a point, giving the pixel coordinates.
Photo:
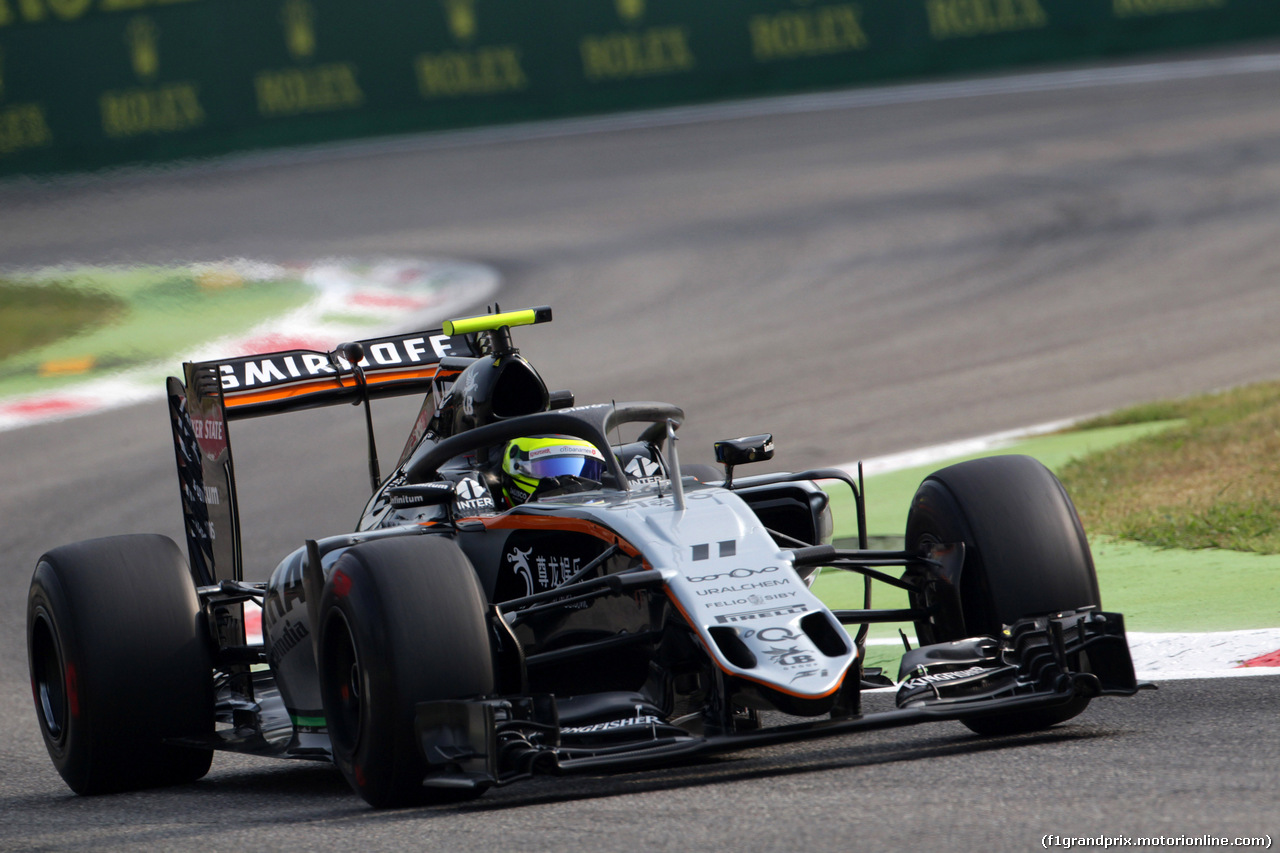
(1025, 555)
(402, 621)
(120, 664)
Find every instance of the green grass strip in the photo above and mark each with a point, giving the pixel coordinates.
(1211, 482)
(889, 495)
(36, 315)
(144, 314)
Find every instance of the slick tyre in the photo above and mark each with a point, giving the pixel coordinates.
(1025, 555)
(402, 621)
(120, 664)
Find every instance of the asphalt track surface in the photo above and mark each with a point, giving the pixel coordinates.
(856, 280)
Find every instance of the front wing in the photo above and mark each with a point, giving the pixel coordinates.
(1038, 664)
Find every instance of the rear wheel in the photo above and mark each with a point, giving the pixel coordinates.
(1025, 555)
(401, 622)
(120, 664)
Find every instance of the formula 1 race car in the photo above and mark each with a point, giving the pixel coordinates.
(528, 593)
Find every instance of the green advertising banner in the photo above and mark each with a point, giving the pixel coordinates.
(86, 84)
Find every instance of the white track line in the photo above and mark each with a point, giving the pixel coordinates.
(952, 449)
(1208, 654)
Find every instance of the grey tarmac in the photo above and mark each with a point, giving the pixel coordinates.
(857, 281)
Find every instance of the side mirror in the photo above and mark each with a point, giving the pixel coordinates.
(559, 400)
(740, 451)
(420, 494)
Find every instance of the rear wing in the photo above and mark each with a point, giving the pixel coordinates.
(266, 384)
(212, 393)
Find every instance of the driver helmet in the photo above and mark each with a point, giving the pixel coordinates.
(539, 466)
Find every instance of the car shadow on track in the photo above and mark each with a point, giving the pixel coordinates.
(303, 795)
(753, 766)
(304, 784)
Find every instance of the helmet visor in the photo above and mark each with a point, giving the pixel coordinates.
(563, 460)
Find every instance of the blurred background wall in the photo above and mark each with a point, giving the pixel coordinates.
(86, 84)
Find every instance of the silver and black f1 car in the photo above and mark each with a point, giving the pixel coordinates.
(455, 642)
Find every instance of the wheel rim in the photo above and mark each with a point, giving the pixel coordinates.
(343, 684)
(48, 679)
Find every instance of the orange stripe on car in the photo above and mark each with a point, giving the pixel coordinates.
(236, 398)
(573, 525)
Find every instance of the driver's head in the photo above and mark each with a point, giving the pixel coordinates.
(538, 466)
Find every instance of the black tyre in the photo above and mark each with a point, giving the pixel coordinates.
(402, 621)
(1025, 555)
(120, 664)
